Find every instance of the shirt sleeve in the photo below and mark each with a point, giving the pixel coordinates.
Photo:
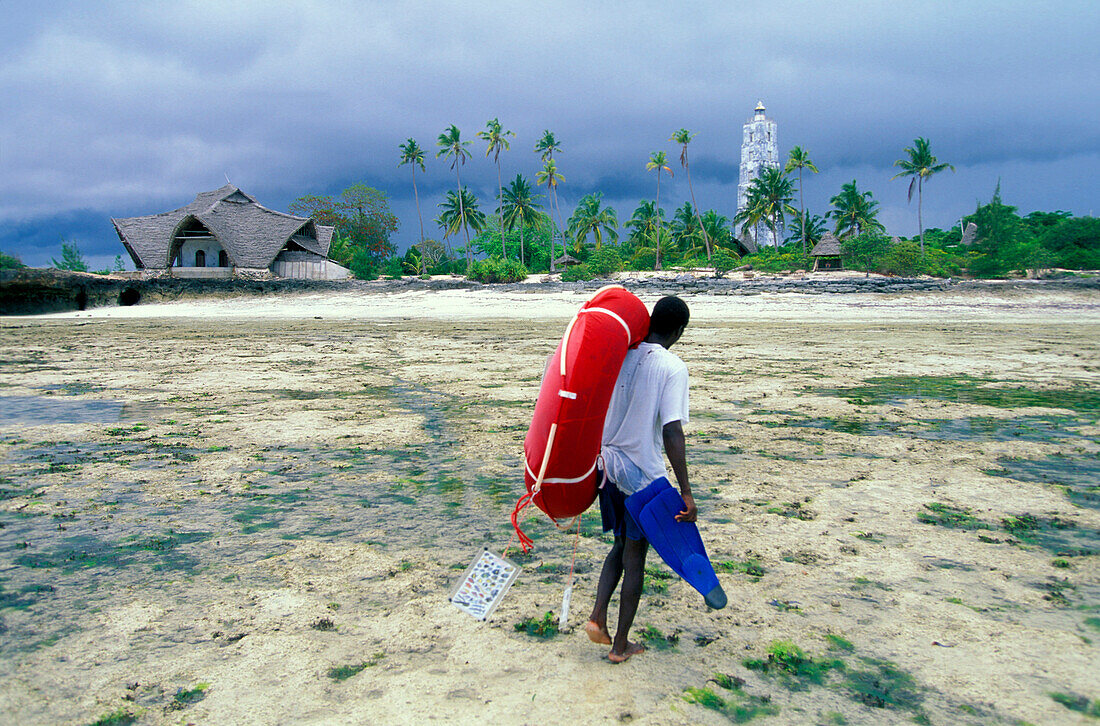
(674, 396)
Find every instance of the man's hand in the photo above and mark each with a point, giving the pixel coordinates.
(673, 433)
(690, 512)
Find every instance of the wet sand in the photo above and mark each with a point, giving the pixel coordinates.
(264, 490)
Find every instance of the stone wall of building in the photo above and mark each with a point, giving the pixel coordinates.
(212, 253)
(316, 269)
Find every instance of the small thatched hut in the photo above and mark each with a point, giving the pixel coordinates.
(565, 260)
(826, 253)
(226, 232)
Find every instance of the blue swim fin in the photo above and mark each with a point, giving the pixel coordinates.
(678, 543)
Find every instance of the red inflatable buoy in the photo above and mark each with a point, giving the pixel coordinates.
(563, 442)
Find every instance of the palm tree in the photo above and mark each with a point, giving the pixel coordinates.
(411, 153)
(547, 145)
(658, 160)
(754, 211)
(644, 220)
(687, 229)
(683, 137)
(799, 159)
(855, 212)
(810, 228)
(647, 223)
(716, 226)
(768, 200)
(460, 211)
(920, 165)
(549, 176)
(497, 137)
(451, 146)
(590, 218)
(518, 207)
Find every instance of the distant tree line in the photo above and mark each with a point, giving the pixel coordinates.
(527, 232)
(1004, 243)
(71, 259)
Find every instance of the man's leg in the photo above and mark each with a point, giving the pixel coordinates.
(596, 627)
(633, 558)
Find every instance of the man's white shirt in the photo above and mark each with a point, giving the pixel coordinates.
(651, 391)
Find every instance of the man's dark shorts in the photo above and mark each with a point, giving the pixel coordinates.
(614, 515)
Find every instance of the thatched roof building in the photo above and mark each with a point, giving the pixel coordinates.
(566, 260)
(826, 253)
(225, 231)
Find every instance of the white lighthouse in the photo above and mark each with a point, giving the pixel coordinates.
(759, 148)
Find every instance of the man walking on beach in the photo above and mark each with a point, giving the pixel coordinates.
(647, 411)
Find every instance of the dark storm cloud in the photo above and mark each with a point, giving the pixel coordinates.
(125, 108)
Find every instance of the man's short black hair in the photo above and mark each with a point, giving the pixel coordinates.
(669, 315)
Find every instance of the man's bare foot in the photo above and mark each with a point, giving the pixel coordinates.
(631, 649)
(597, 634)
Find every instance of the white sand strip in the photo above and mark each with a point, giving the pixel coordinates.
(489, 305)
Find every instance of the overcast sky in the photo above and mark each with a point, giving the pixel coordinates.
(126, 108)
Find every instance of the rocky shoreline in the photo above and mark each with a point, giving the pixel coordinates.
(39, 291)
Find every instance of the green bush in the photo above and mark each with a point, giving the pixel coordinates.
(392, 268)
(577, 273)
(362, 265)
(865, 252)
(723, 262)
(940, 263)
(605, 262)
(1074, 243)
(692, 263)
(777, 260)
(494, 270)
(478, 270)
(903, 258)
(644, 259)
(10, 262)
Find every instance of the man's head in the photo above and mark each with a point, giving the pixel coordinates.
(667, 321)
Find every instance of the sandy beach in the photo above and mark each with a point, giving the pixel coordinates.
(209, 509)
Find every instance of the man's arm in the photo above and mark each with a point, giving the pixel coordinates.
(673, 434)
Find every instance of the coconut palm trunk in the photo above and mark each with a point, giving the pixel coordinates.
(561, 224)
(683, 138)
(698, 218)
(802, 211)
(553, 268)
(416, 195)
(800, 160)
(549, 175)
(657, 163)
(920, 212)
(500, 213)
(462, 212)
(657, 240)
